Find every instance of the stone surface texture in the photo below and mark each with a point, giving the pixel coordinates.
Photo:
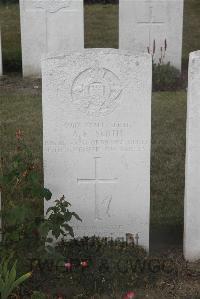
(192, 172)
(141, 22)
(49, 26)
(96, 139)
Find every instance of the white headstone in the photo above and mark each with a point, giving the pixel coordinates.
(141, 22)
(1, 64)
(1, 73)
(0, 219)
(192, 173)
(49, 26)
(96, 138)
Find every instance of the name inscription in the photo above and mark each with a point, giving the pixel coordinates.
(97, 137)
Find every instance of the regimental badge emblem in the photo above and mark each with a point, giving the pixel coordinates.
(96, 91)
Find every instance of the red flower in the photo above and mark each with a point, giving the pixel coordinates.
(19, 134)
(84, 264)
(129, 295)
(68, 266)
(25, 173)
(35, 232)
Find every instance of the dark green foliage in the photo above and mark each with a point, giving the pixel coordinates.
(7, 2)
(101, 266)
(166, 77)
(58, 218)
(38, 295)
(9, 280)
(85, 1)
(13, 65)
(96, 266)
(110, 265)
(101, 1)
(25, 230)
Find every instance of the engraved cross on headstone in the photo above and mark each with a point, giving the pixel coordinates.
(151, 21)
(95, 181)
(49, 7)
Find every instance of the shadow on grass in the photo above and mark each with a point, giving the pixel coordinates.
(12, 66)
(166, 237)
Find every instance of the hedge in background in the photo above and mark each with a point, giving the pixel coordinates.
(85, 1)
(101, 1)
(8, 1)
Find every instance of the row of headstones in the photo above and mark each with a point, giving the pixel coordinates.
(55, 26)
(97, 138)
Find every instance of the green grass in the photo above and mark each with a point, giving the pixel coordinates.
(101, 26)
(24, 112)
(191, 28)
(11, 37)
(168, 157)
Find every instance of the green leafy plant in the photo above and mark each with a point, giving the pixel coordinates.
(57, 219)
(38, 295)
(8, 278)
(25, 229)
(100, 265)
(165, 76)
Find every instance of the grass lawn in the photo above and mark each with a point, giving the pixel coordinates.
(168, 154)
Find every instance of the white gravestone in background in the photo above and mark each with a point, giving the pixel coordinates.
(49, 26)
(1, 73)
(192, 173)
(1, 64)
(141, 22)
(96, 130)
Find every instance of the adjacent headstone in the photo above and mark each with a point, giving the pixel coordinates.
(153, 26)
(1, 73)
(0, 220)
(96, 130)
(49, 26)
(1, 64)
(192, 173)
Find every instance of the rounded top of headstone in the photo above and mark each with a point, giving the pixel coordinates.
(93, 51)
(54, 5)
(194, 62)
(195, 54)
